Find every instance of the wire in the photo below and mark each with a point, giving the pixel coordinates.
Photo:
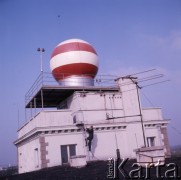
(143, 72)
(150, 78)
(147, 99)
(175, 129)
(155, 83)
(139, 73)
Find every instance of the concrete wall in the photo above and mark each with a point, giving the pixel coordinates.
(55, 141)
(150, 114)
(129, 93)
(27, 158)
(104, 145)
(46, 119)
(94, 101)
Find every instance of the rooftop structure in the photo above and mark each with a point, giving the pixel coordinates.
(45, 92)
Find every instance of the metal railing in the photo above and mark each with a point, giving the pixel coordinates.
(47, 79)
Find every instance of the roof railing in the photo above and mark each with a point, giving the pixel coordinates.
(47, 79)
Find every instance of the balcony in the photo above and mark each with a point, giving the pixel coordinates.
(46, 120)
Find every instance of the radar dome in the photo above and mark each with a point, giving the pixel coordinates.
(74, 62)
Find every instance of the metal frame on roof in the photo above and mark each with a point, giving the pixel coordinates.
(46, 93)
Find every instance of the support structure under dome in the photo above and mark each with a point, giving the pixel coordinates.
(77, 81)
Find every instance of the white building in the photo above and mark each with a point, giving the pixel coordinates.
(52, 136)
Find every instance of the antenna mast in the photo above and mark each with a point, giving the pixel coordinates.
(41, 50)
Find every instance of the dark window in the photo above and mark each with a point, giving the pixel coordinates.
(74, 119)
(36, 158)
(72, 150)
(151, 141)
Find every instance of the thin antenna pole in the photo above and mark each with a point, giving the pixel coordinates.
(141, 116)
(41, 50)
(151, 78)
(41, 61)
(143, 72)
(130, 75)
(155, 83)
(18, 116)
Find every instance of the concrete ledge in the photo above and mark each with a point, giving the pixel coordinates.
(78, 161)
(153, 148)
(150, 155)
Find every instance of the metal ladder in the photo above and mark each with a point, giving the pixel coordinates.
(89, 153)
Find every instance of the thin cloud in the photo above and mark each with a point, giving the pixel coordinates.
(170, 42)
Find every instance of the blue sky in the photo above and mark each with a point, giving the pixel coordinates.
(129, 36)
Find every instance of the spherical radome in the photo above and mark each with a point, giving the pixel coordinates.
(74, 61)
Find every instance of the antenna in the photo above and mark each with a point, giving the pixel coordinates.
(142, 72)
(41, 50)
(135, 80)
(155, 83)
(143, 79)
(132, 75)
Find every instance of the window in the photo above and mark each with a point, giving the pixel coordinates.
(67, 151)
(151, 141)
(72, 150)
(64, 154)
(36, 158)
(74, 119)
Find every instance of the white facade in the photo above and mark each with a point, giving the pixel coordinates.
(52, 137)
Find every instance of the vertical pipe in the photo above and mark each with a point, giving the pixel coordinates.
(115, 134)
(142, 125)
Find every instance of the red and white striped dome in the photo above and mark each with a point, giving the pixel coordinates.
(74, 57)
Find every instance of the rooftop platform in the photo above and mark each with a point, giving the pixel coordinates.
(47, 93)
